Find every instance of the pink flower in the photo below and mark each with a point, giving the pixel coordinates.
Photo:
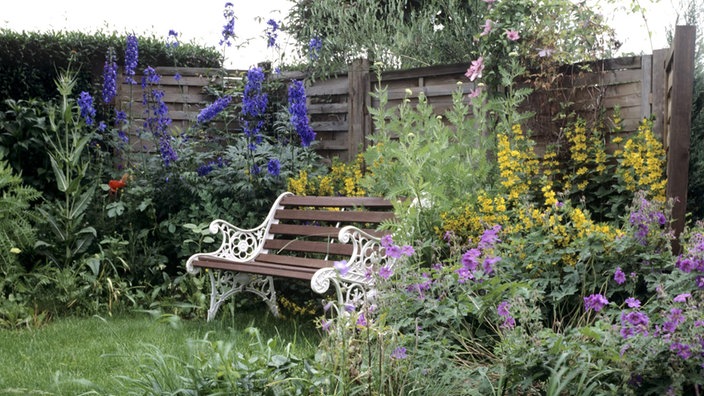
(487, 27)
(474, 93)
(490, 2)
(512, 35)
(476, 69)
(545, 52)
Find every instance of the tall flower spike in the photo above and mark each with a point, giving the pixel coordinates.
(85, 103)
(109, 77)
(214, 109)
(271, 34)
(299, 112)
(254, 103)
(131, 58)
(228, 31)
(314, 48)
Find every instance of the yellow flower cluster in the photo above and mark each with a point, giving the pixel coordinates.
(469, 222)
(517, 163)
(297, 310)
(343, 179)
(587, 151)
(549, 194)
(642, 164)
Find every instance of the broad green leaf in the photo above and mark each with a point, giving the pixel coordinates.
(78, 150)
(94, 265)
(80, 206)
(61, 181)
(53, 223)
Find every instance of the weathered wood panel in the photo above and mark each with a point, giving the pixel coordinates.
(680, 71)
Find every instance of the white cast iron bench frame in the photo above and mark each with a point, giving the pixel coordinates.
(301, 238)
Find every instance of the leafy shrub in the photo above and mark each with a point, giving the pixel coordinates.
(31, 59)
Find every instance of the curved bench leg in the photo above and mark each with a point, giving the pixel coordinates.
(225, 284)
(264, 288)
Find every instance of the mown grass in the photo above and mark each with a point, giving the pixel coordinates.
(88, 355)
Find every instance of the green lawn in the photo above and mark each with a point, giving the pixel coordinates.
(75, 355)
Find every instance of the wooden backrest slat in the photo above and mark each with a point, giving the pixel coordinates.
(275, 246)
(348, 202)
(304, 230)
(333, 215)
(295, 261)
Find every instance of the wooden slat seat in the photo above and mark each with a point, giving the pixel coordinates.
(301, 238)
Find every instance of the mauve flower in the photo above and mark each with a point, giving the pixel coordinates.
(684, 351)
(475, 70)
(502, 309)
(595, 302)
(361, 320)
(619, 276)
(399, 353)
(487, 27)
(512, 35)
(386, 272)
(341, 267)
(386, 241)
(545, 52)
(682, 297)
(470, 259)
(407, 250)
(325, 325)
(489, 238)
(632, 302)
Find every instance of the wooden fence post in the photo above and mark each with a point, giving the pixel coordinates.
(357, 104)
(658, 91)
(679, 113)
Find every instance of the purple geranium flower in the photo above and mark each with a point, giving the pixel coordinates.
(619, 276)
(341, 266)
(595, 302)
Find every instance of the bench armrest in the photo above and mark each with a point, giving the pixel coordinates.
(238, 244)
(366, 259)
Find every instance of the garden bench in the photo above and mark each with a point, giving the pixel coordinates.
(301, 238)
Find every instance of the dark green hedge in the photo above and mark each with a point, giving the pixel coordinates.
(29, 61)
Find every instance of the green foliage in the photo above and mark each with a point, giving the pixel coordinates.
(17, 234)
(431, 161)
(395, 33)
(71, 355)
(70, 236)
(22, 129)
(17, 221)
(401, 34)
(32, 59)
(552, 33)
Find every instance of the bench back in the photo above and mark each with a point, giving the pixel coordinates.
(304, 229)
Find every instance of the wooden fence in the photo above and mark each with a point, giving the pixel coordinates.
(659, 85)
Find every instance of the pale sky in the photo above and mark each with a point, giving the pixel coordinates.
(202, 21)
